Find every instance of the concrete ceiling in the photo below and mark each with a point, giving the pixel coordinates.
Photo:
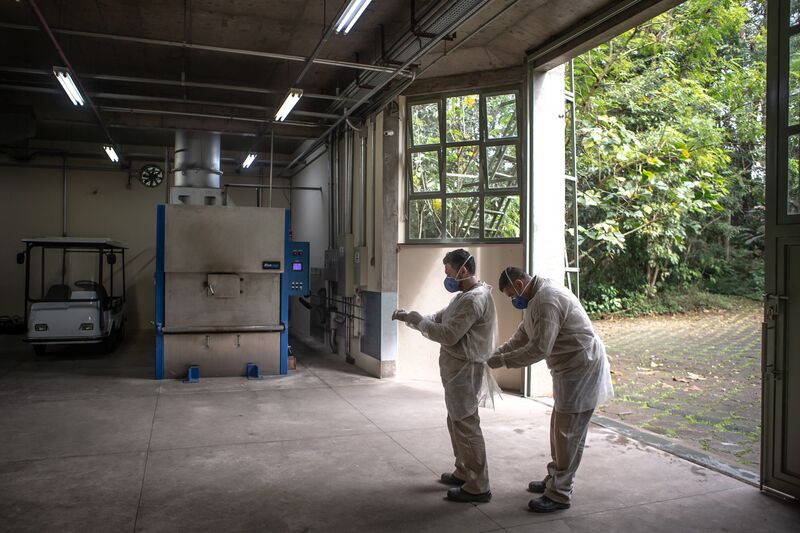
(143, 90)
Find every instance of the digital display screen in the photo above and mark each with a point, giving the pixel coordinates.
(297, 266)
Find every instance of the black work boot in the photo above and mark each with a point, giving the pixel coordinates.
(451, 479)
(546, 505)
(458, 494)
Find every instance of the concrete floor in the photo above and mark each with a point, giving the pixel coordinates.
(92, 443)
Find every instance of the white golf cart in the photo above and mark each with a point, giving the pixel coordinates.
(72, 295)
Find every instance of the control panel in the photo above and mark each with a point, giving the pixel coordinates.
(297, 268)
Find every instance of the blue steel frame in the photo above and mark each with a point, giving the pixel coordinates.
(285, 295)
(160, 291)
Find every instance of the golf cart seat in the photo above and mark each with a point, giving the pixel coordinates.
(58, 292)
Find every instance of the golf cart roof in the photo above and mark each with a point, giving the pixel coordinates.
(75, 242)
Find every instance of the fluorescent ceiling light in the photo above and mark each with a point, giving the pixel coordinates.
(288, 104)
(249, 160)
(112, 155)
(354, 10)
(64, 78)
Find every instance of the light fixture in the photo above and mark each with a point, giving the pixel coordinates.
(112, 155)
(249, 160)
(354, 10)
(288, 104)
(65, 79)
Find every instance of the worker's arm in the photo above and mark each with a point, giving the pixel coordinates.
(449, 332)
(517, 340)
(546, 325)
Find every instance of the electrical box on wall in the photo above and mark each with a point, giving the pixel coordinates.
(361, 260)
(346, 271)
(331, 265)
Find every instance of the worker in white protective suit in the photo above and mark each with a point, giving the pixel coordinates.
(555, 328)
(465, 329)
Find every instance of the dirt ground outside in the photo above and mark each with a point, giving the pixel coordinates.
(694, 377)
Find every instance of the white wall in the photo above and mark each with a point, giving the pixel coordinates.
(310, 215)
(421, 289)
(99, 204)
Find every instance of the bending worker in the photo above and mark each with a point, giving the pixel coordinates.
(555, 328)
(465, 329)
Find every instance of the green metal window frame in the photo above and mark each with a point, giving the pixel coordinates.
(572, 267)
(483, 142)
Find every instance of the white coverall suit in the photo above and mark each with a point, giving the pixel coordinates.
(555, 328)
(465, 329)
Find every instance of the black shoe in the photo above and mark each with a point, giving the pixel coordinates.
(460, 495)
(537, 487)
(451, 479)
(546, 505)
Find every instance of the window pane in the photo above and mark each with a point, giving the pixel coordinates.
(463, 217)
(793, 192)
(569, 149)
(568, 76)
(425, 171)
(463, 118)
(425, 219)
(501, 115)
(501, 217)
(463, 168)
(425, 124)
(794, 79)
(794, 13)
(571, 258)
(501, 165)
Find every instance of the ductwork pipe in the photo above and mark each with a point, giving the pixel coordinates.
(197, 156)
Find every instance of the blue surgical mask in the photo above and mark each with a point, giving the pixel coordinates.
(519, 301)
(452, 284)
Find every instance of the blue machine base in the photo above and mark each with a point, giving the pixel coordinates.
(193, 374)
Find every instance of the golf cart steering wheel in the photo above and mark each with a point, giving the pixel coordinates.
(87, 284)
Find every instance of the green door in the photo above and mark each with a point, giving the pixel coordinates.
(780, 465)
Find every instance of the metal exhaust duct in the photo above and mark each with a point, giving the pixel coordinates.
(197, 157)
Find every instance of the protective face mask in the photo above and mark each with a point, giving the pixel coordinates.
(452, 284)
(518, 301)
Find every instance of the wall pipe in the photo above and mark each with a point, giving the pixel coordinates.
(64, 199)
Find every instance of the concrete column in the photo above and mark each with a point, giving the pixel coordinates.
(545, 199)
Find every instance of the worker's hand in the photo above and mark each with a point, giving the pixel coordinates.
(495, 361)
(399, 314)
(413, 318)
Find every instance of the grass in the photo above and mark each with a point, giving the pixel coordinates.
(673, 301)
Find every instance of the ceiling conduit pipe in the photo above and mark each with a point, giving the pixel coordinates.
(68, 65)
(348, 112)
(205, 47)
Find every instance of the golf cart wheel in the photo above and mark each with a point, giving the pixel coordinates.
(40, 349)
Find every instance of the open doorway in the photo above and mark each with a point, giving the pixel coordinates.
(666, 131)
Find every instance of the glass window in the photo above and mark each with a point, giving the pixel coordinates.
(463, 168)
(425, 171)
(501, 116)
(425, 124)
(425, 219)
(463, 218)
(794, 13)
(794, 79)
(501, 216)
(793, 192)
(569, 137)
(501, 166)
(464, 184)
(463, 118)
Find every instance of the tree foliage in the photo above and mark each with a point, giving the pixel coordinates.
(670, 137)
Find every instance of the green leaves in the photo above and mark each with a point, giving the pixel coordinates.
(670, 135)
